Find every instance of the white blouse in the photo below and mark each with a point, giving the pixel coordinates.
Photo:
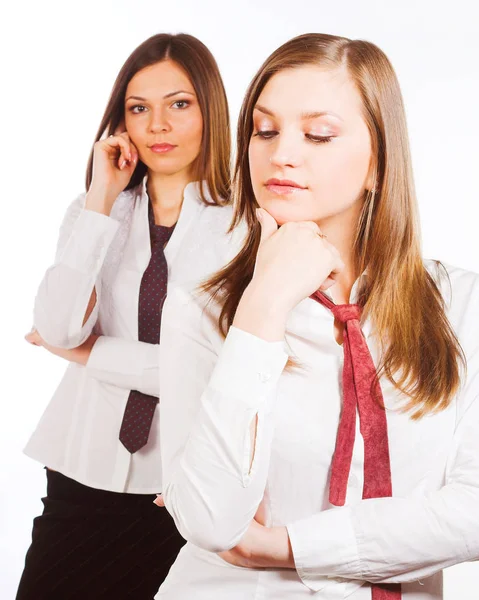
(78, 433)
(431, 522)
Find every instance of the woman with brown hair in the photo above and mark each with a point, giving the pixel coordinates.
(156, 211)
(327, 447)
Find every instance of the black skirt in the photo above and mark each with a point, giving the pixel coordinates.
(91, 544)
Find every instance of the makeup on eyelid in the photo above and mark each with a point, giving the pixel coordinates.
(319, 130)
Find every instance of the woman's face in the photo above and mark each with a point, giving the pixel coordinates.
(163, 118)
(310, 151)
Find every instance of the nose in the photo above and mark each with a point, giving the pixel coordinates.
(159, 121)
(286, 151)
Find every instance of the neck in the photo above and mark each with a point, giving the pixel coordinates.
(341, 233)
(166, 195)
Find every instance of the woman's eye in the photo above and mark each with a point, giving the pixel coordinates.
(181, 104)
(138, 108)
(319, 139)
(266, 134)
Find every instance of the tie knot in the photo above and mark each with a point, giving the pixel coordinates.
(160, 235)
(346, 312)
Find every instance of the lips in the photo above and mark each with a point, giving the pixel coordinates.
(162, 148)
(283, 186)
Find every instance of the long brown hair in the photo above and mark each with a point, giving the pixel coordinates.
(420, 352)
(213, 163)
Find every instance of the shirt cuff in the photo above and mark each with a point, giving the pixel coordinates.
(89, 241)
(325, 545)
(127, 364)
(248, 367)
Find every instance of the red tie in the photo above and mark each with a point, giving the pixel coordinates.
(361, 391)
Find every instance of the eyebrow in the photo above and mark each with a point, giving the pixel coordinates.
(304, 116)
(164, 97)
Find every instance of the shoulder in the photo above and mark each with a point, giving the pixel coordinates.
(459, 287)
(216, 218)
(210, 242)
(123, 206)
(460, 290)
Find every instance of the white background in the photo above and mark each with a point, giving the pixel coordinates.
(59, 61)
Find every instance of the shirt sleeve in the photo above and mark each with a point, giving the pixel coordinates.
(396, 540)
(127, 364)
(67, 285)
(210, 393)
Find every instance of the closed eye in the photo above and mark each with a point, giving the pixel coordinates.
(316, 139)
(266, 135)
(319, 139)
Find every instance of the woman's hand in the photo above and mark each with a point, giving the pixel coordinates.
(79, 355)
(292, 263)
(262, 547)
(33, 337)
(114, 161)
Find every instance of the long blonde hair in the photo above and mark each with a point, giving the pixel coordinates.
(420, 352)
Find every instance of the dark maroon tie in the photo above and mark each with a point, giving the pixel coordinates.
(361, 392)
(140, 408)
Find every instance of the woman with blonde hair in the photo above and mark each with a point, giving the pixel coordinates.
(156, 211)
(328, 446)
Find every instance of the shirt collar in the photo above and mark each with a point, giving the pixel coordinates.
(353, 297)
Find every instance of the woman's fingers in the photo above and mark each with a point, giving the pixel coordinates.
(329, 282)
(133, 148)
(159, 501)
(311, 226)
(267, 223)
(34, 338)
(338, 264)
(118, 147)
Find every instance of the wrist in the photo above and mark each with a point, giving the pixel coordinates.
(99, 201)
(85, 349)
(272, 549)
(262, 313)
(282, 552)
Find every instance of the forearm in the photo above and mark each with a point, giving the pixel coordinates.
(126, 364)
(66, 305)
(262, 314)
(262, 547)
(214, 491)
(278, 553)
(79, 355)
(389, 540)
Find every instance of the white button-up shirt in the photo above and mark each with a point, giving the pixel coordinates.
(78, 433)
(432, 520)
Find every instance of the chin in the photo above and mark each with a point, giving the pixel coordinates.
(284, 212)
(165, 169)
